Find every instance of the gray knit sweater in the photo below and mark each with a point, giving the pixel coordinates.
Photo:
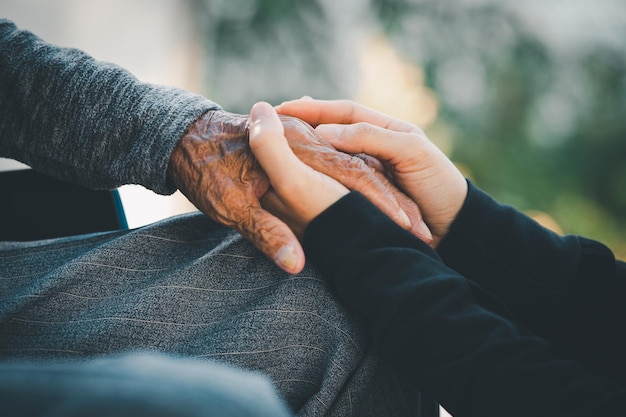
(88, 122)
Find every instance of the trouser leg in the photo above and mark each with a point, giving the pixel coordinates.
(188, 287)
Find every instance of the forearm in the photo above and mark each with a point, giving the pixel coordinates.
(85, 121)
(488, 242)
(567, 289)
(426, 322)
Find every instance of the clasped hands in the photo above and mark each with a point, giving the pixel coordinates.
(268, 176)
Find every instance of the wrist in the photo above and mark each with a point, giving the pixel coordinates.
(454, 207)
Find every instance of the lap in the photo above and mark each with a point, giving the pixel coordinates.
(189, 287)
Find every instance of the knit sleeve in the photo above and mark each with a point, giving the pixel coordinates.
(89, 122)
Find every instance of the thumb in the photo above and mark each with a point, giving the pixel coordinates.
(270, 147)
(273, 237)
(304, 192)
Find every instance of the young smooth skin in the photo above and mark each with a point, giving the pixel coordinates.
(298, 193)
(518, 320)
(414, 163)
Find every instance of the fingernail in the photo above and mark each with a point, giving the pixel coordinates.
(328, 132)
(425, 231)
(287, 257)
(260, 110)
(406, 222)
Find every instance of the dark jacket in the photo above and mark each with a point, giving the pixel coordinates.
(506, 319)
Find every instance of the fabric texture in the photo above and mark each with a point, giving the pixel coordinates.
(445, 334)
(85, 121)
(568, 289)
(195, 289)
(184, 286)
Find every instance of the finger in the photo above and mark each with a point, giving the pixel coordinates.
(271, 202)
(369, 139)
(352, 172)
(418, 227)
(379, 144)
(272, 237)
(316, 112)
(240, 209)
(372, 162)
(304, 190)
(270, 147)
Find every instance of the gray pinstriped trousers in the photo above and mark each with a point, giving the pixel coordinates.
(188, 287)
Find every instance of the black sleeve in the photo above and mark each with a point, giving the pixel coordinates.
(426, 322)
(565, 288)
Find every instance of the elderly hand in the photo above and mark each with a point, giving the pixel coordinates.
(299, 193)
(356, 173)
(214, 167)
(416, 165)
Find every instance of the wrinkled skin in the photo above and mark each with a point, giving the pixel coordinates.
(357, 172)
(214, 168)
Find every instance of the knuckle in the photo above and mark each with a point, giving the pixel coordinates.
(363, 129)
(357, 163)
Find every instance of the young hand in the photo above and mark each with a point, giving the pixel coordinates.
(416, 165)
(298, 193)
(214, 167)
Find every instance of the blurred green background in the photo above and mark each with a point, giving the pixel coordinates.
(528, 98)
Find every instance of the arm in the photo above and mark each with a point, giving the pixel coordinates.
(423, 316)
(85, 121)
(567, 289)
(426, 321)
(92, 123)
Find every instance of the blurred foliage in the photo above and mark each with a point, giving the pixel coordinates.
(549, 133)
(537, 123)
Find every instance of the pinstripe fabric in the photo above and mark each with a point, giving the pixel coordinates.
(190, 287)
